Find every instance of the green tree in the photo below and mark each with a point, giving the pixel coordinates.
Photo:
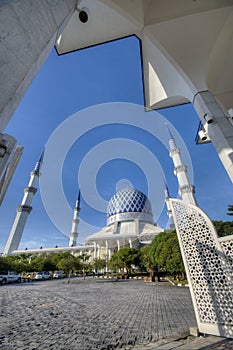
(48, 264)
(124, 259)
(85, 264)
(224, 228)
(147, 259)
(99, 264)
(37, 262)
(68, 264)
(166, 253)
(18, 263)
(5, 264)
(115, 263)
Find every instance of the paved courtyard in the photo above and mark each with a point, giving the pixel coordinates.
(91, 314)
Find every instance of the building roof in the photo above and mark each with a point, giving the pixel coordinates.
(175, 60)
(129, 204)
(134, 230)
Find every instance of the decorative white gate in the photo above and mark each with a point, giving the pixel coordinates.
(208, 266)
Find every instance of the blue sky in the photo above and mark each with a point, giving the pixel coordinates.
(68, 84)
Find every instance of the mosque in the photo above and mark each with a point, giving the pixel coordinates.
(129, 217)
(179, 66)
(129, 224)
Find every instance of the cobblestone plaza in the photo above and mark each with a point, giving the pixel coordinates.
(91, 314)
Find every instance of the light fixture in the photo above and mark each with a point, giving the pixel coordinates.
(2, 149)
(230, 113)
(209, 119)
(83, 14)
(203, 135)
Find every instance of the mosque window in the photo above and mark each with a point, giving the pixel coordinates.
(118, 230)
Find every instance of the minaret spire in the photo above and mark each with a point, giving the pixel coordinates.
(171, 140)
(23, 210)
(39, 163)
(171, 224)
(186, 190)
(75, 222)
(77, 205)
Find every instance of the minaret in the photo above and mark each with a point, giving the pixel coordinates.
(75, 222)
(171, 224)
(186, 190)
(23, 211)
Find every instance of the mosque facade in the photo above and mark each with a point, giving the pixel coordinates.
(129, 224)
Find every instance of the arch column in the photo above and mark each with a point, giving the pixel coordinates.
(89, 252)
(95, 255)
(130, 243)
(29, 51)
(106, 253)
(220, 131)
(98, 251)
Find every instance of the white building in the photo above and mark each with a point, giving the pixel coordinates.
(129, 224)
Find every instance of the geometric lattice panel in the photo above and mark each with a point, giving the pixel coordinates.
(208, 268)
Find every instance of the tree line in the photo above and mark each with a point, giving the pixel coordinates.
(43, 262)
(162, 255)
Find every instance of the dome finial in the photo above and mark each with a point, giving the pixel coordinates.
(123, 183)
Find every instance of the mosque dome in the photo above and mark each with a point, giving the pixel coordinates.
(129, 204)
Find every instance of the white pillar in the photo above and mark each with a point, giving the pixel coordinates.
(106, 252)
(106, 249)
(130, 242)
(94, 250)
(24, 53)
(118, 245)
(220, 130)
(98, 251)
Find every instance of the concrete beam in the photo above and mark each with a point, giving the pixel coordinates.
(28, 32)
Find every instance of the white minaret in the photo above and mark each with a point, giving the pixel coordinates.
(23, 211)
(75, 222)
(186, 190)
(171, 225)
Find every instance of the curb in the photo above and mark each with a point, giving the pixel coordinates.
(177, 285)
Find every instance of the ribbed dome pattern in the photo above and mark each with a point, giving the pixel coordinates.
(128, 200)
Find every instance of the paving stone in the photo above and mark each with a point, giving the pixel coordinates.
(86, 315)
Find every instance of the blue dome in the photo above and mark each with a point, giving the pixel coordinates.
(129, 200)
